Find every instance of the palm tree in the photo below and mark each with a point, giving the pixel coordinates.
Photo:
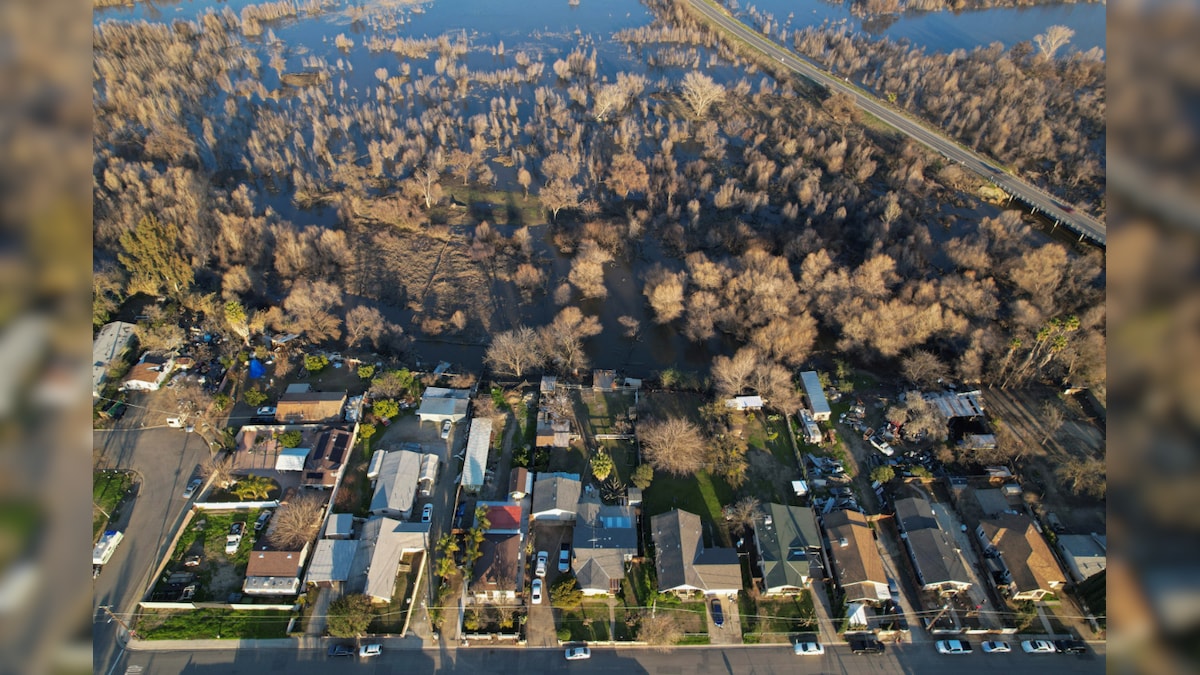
(253, 488)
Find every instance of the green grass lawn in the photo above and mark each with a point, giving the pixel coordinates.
(108, 490)
(588, 622)
(211, 623)
(701, 494)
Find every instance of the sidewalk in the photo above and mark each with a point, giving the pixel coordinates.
(305, 642)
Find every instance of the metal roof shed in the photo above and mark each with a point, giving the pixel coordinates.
(291, 459)
(479, 441)
(816, 395)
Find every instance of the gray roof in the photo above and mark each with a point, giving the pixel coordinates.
(479, 442)
(332, 560)
(933, 554)
(956, 404)
(340, 525)
(112, 340)
(816, 394)
(555, 492)
(605, 536)
(785, 544)
(681, 559)
(396, 486)
(383, 542)
(442, 408)
(443, 392)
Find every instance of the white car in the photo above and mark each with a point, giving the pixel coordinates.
(1037, 647)
(265, 411)
(542, 558)
(370, 650)
(953, 647)
(993, 647)
(427, 513)
(578, 653)
(445, 429)
(808, 649)
(537, 593)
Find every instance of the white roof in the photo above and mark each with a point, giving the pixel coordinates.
(429, 467)
(396, 486)
(443, 392)
(291, 459)
(743, 402)
(112, 339)
(479, 441)
(376, 463)
(438, 409)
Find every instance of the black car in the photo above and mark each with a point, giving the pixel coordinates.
(865, 646)
(342, 650)
(1070, 647)
(718, 615)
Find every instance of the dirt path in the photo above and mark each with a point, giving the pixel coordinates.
(498, 486)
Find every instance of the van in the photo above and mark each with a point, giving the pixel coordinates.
(894, 589)
(175, 422)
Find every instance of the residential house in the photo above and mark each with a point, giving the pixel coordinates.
(816, 395)
(787, 541)
(310, 406)
(682, 561)
(938, 565)
(495, 575)
(396, 487)
(110, 344)
(548, 383)
(328, 458)
(381, 547)
(274, 572)
(439, 404)
(340, 526)
(149, 373)
(479, 443)
(854, 559)
(555, 497)
(502, 517)
(332, 562)
(1028, 568)
(605, 540)
(1084, 554)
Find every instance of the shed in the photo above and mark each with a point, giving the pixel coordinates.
(376, 463)
(340, 526)
(291, 459)
(520, 483)
(438, 410)
(744, 403)
(816, 395)
(479, 442)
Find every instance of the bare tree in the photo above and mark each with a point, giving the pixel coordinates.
(923, 368)
(218, 469)
(673, 445)
(732, 376)
(743, 511)
(1054, 39)
(626, 174)
(631, 325)
(310, 310)
(587, 269)
(1084, 477)
(558, 195)
(364, 323)
(659, 629)
(700, 92)
(562, 340)
(514, 352)
(296, 522)
(664, 291)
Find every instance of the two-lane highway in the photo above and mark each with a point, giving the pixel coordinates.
(1080, 223)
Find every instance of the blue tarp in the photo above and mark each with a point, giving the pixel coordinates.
(257, 369)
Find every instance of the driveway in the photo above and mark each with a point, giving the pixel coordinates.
(548, 536)
(731, 632)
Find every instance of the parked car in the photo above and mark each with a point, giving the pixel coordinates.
(995, 647)
(342, 650)
(894, 589)
(265, 411)
(578, 653)
(175, 422)
(865, 645)
(808, 649)
(193, 485)
(1070, 646)
(370, 650)
(191, 561)
(445, 429)
(234, 538)
(542, 558)
(717, 615)
(882, 446)
(237, 528)
(537, 591)
(427, 513)
(564, 558)
(953, 647)
(1037, 647)
(262, 520)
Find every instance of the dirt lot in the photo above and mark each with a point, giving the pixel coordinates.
(1078, 437)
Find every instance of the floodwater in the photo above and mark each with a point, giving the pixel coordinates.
(551, 29)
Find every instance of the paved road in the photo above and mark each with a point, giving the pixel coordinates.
(1079, 222)
(908, 659)
(164, 460)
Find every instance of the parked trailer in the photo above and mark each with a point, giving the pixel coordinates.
(104, 549)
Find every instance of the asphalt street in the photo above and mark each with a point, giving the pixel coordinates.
(163, 459)
(1079, 222)
(907, 659)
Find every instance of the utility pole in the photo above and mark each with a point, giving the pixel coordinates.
(120, 622)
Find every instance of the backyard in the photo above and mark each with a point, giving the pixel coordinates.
(217, 574)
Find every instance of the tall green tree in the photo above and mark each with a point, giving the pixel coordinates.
(151, 253)
(349, 616)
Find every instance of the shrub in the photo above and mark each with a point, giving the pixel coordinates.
(289, 439)
(254, 397)
(222, 401)
(564, 634)
(365, 432)
(315, 362)
(366, 372)
(566, 592)
(387, 408)
(883, 474)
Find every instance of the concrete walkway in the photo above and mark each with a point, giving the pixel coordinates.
(318, 612)
(825, 626)
(305, 642)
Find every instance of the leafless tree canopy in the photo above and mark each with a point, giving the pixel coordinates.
(514, 352)
(659, 629)
(673, 446)
(700, 92)
(296, 522)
